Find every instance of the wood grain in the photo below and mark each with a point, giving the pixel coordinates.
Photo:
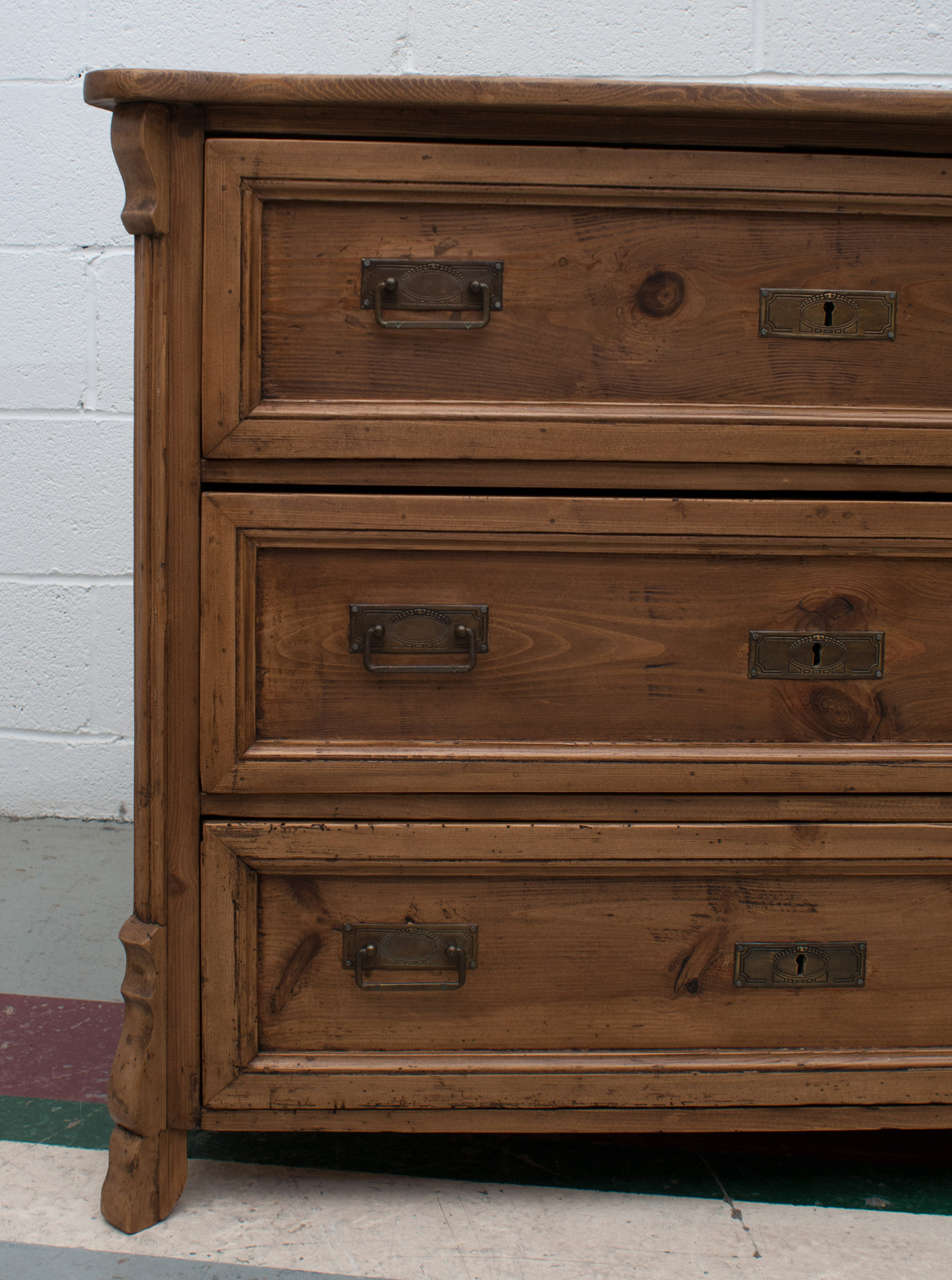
(229, 964)
(595, 959)
(157, 1091)
(573, 328)
(661, 1085)
(137, 1081)
(605, 434)
(738, 1119)
(488, 94)
(140, 144)
(174, 451)
(147, 1158)
(145, 1178)
(373, 847)
(600, 648)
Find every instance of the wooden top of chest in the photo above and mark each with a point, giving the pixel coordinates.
(597, 110)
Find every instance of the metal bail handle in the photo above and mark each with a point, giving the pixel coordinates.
(390, 286)
(409, 947)
(363, 961)
(435, 286)
(376, 634)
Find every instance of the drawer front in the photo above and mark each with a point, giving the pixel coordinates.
(398, 643)
(625, 290)
(587, 944)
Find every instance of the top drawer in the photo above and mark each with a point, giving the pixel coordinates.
(624, 291)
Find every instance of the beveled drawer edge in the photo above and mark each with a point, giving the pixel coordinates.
(597, 1062)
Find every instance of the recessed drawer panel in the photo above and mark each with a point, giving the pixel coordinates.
(447, 943)
(565, 302)
(398, 643)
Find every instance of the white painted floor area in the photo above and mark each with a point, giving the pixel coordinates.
(396, 1228)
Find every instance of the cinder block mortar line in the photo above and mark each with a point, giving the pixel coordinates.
(758, 19)
(69, 737)
(11, 413)
(401, 55)
(92, 252)
(890, 79)
(68, 579)
(89, 395)
(75, 77)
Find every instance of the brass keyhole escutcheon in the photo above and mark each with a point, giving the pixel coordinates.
(799, 965)
(818, 655)
(828, 314)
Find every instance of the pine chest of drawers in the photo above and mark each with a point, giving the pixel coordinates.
(543, 577)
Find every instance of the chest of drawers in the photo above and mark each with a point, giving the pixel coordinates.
(543, 567)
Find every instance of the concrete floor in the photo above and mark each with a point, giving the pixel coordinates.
(65, 887)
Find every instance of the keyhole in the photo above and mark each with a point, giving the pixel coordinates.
(829, 308)
(801, 961)
(817, 653)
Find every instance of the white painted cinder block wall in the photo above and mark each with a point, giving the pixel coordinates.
(66, 275)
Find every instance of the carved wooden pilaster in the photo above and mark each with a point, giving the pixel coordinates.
(140, 143)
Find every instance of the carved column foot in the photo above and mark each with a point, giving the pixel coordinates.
(147, 1161)
(145, 1178)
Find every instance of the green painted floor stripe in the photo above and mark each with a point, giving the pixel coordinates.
(43, 1262)
(905, 1171)
(58, 1124)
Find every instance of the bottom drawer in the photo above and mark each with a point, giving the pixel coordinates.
(598, 965)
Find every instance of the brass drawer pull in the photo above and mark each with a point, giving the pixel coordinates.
(408, 285)
(375, 635)
(800, 964)
(410, 946)
(389, 286)
(416, 629)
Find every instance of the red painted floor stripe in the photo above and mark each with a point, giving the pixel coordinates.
(61, 1049)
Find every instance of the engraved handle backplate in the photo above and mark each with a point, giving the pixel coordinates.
(368, 947)
(406, 284)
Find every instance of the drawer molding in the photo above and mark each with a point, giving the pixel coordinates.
(518, 1081)
(247, 179)
(274, 906)
(568, 669)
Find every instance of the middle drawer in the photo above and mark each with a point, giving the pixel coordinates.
(394, 642)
